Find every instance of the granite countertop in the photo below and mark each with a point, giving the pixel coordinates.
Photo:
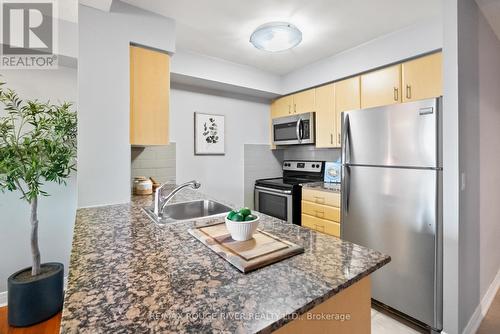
(129, 275)
(324, 186)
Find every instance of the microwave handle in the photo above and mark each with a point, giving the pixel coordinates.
(298, 130)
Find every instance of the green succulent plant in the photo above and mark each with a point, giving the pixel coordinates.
(37, 145)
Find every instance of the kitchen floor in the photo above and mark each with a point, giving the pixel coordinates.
(385, 323)
(491, 322)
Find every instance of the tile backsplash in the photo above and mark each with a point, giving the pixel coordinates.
(154, 161)
(309, 152)
(259, 162)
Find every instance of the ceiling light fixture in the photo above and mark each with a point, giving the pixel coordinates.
(276, 36)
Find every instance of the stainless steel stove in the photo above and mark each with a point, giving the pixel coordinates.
(281, 197)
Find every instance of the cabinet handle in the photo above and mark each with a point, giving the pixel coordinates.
(289, 109)
(294, 108)
(408, 91)
(338, 139)
(319, 214)
(396, 94)
(331, 138)
(320, 228)
(319, 200)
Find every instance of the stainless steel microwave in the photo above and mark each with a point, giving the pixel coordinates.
(294, 130)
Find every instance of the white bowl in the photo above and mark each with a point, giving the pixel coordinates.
(242, 231)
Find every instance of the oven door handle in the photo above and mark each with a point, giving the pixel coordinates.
(273, 191)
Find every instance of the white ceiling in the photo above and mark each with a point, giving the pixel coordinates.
(222, 28)
(491, 10)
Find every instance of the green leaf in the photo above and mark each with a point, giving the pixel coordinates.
(37, 144)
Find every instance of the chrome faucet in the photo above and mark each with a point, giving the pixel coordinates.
(161, 202)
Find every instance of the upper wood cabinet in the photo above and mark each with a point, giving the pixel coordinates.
(416, 79)
(149, 96)
(282, 106)
(381, 87)
(325, 116)
(304, 101)
(294, 104)
(347, 97)
(423, 78)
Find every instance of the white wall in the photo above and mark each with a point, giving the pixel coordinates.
(479, 109)
(468, 87)
(246, 122)
(103, 78)
(450, 167)
(409, 42)
(226, 72)
(479, 80)
(56, 212)
(489, 129)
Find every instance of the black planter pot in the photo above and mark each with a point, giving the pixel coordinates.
(33, 299)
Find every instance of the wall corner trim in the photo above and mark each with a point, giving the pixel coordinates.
(483, 307)
(3, 298)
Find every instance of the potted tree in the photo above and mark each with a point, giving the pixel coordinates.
(37, 145)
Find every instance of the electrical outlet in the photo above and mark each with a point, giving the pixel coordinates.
(462, 181)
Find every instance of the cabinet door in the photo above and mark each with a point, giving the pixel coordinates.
(304, 101)
(149, 96)
(347, 97)
(321, 211)
(422, 78)
(321, 225)
(382, 87)
(325, 117)
(282, 107)
(321, 197)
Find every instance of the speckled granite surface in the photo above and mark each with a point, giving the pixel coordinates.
(324, 186)
(128, 275)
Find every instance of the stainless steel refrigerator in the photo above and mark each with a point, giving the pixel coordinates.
(392, 201)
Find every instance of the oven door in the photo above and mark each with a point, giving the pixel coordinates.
(274, 202)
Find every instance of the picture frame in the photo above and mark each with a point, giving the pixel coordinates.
(209, 134)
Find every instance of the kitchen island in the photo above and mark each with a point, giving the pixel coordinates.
(129, 275)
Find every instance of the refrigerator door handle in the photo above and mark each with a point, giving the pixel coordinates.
(345, 138)
(346, 189)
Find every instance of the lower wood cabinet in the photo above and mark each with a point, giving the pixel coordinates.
(321, 211)
(321, 197)
(321, 225)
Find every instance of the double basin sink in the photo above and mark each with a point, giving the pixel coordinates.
(187, 210)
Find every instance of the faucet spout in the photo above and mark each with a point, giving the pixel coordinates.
(160, 202)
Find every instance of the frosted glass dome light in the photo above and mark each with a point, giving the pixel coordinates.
(276, 36)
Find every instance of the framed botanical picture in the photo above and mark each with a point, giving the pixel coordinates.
(208, 134)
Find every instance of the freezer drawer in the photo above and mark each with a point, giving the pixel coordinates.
(396, 211)
(398, 135)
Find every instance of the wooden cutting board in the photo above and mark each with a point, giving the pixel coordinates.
(249, 255)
